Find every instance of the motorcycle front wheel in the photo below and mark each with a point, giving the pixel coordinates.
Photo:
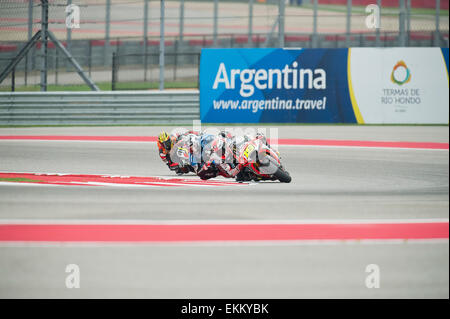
(283, 176)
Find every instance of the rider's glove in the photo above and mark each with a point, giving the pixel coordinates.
(163, 157)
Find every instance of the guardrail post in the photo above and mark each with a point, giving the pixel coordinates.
(145, 38)
(56, 66)
(90, 58)
(107, 31)
(348, 22)
(281, 13)
(378, 30)
(436, 33)
(250, 21)
(198, 68)
(216, 13)
(181, 32)
(161, 48)
(13, 80)
(401, 23)
(30, 35)
(175, 62)
(69, 39)
(44, 42)
(314, 35)
(114, 72)
(26, 70)
(408, 21)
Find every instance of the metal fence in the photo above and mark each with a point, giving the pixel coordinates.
(131, 29)
(128, 70)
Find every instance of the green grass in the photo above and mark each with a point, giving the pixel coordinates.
(106, 86)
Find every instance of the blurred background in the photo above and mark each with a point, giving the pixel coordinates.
(118, 42)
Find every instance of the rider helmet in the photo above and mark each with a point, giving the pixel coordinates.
(165, 140)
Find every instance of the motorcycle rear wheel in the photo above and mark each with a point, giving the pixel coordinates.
(283, 176)
(280, 173)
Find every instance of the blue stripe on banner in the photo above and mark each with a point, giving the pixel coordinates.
(445, 55)
(275, 86)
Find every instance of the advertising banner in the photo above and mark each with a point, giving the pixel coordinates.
(363, 85)
(400, 85)
(274, 85)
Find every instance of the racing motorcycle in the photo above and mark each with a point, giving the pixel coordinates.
(181, 153)
(189, 152)
(261, 162)
(257, 159)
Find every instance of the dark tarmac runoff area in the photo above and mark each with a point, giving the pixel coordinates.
(331, 185)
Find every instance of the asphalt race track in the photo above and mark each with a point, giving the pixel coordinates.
(331, 185)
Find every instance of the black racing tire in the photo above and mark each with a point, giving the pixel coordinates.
(275, 170)
(283, 176)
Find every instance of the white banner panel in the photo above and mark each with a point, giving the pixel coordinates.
(400, 85)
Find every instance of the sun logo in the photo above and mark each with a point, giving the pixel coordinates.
(400, 74)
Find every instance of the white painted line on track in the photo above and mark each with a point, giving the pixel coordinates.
(29, 184)
(117, 185)
(219, 222)
(259, 243)
(363, 147)
(276, 146)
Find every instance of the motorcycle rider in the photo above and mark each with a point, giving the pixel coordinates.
(218, 158)
(199, 148)
(199, 156)
(210, 155)
(240, 172)
(165, 144)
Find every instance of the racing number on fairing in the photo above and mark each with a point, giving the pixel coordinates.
(250, 148)
(182, 152)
